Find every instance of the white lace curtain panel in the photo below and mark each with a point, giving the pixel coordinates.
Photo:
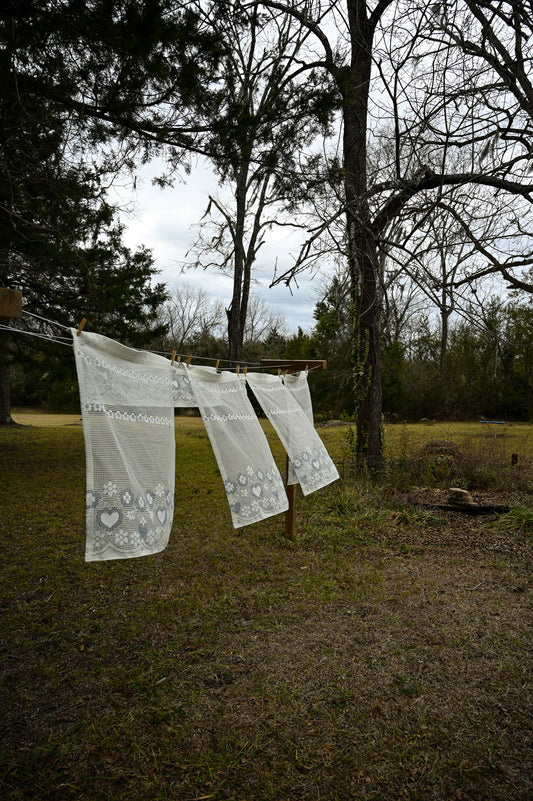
(298, 386)
(252, 481)
(313, 467)
(127, 409)
(128, 399)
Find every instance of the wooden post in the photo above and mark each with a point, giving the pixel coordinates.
(293, 366)
(290, 514)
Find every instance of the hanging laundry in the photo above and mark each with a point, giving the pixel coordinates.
(298, 386)
(182, 391)
(312, 464)
(127, 402)
(253, 484)
(299, 389)
(128, 399)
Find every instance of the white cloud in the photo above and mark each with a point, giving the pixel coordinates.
(164, 221)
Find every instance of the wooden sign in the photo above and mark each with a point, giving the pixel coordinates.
(10, 302)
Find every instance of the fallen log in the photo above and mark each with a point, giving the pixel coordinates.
(467, 509)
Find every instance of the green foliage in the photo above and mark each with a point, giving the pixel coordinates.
(299, 346)
(60, 242)
(114, 68)
(84, 89)
(518, 518)
(275, 344)
(488, 367)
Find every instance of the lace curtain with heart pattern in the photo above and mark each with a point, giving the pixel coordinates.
(128, 424)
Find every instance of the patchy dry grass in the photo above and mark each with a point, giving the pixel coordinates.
(385, 655)
(477, 456)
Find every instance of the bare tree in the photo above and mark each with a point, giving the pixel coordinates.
(191, 313)
(427, 77)
(263, 117)
(402, 303)
(261, 319)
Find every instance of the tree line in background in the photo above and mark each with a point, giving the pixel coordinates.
(395, 135)
(486, 370)
(483, 369)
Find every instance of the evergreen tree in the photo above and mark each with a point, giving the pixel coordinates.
(59, 239)
(517, 359)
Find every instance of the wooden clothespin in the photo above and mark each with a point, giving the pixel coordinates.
(216, 365)
(306, 368)
(189, 360)
(245, 371)
(81, 326)
(172, 358)
(238, 368)
(279, 372)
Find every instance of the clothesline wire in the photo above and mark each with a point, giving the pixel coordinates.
(46, 337)
(285, 364)
(145, 350)
(199, 358)
(46, 320)
(67, 341)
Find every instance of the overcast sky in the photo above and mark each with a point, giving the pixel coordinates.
(164, 221)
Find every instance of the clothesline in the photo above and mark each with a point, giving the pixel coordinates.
(45, 320)
(128, 399)
(168, 353)
(46, 337)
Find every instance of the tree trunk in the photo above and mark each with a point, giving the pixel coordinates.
(238, 308)
(234, 336)
(5, 403)
(445, 312)
(354, 82)
(366, 311)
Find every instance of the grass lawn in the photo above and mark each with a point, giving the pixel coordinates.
(386, 654)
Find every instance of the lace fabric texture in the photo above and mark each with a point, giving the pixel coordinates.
(182, 391)
(312, 464)
(253, 484)
(128, 423)
(128, 399)
(298, 386)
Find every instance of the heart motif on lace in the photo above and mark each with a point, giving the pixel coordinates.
(235, 507)
(316, 464)
(109, 518)
(161, 514)
(256, 490)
